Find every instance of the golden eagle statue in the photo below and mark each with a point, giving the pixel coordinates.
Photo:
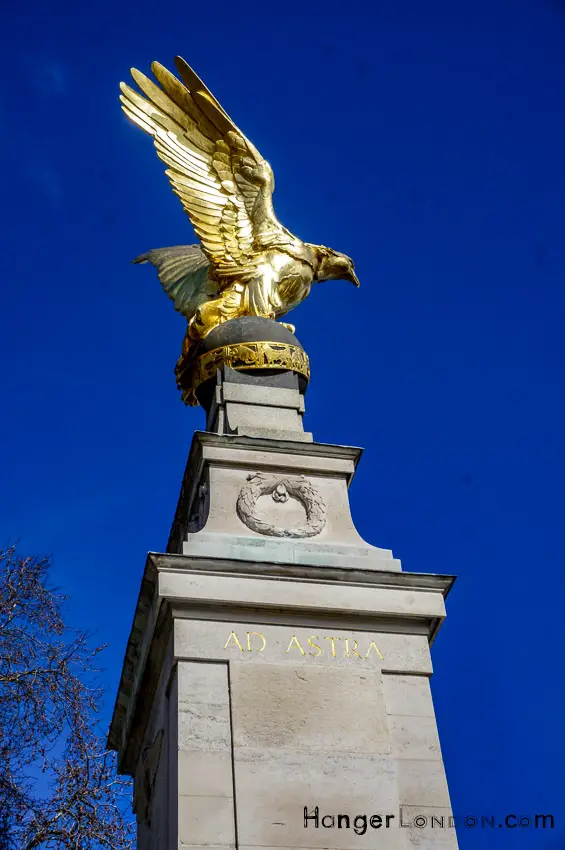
(247, 263)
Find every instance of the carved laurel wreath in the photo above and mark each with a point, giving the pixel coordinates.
(281, 488)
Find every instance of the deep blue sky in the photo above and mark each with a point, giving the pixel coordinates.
(427, 140)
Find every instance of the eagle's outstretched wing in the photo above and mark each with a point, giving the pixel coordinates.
(183, 272)
(224, 184)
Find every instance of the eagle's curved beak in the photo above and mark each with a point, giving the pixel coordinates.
(352, 277)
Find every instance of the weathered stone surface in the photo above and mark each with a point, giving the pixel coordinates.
(205, 775)
(273, 786)
(422, 782)
(414, 737)
(408, 695)
(320, 738)
(308, 709)
(203, 706)
(206, 820)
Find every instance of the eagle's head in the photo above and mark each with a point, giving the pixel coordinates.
(333, 265)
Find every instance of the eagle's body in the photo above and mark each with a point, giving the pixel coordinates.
(247, 263)
(281, 279)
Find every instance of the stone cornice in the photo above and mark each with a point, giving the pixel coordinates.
(159, 602)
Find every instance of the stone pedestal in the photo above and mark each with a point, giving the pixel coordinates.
(275, 691)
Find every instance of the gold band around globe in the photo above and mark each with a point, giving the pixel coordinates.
(244, 355)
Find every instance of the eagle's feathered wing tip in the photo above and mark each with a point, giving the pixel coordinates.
(143, 258)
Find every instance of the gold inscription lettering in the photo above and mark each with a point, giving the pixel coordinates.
(255, 634)
(233, 637)
(333, 640)
(314, 645)
(257, 642)
(374, 646)
(295, 642)
(351, 650)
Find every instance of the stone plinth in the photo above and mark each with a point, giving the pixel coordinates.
(278, 664)
(251, 691)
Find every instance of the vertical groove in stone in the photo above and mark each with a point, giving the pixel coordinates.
(232, 759)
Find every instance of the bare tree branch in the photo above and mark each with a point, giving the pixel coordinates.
(59, 787)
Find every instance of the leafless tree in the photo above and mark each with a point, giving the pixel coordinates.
(59, 788)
